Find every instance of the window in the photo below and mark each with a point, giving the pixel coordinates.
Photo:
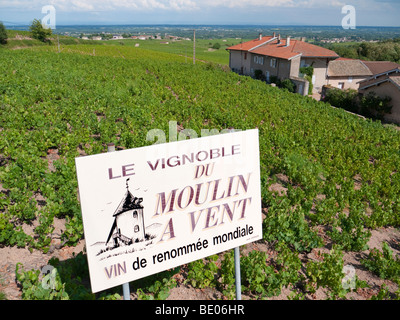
(273, 63)
(136, 228)
(258, 60)
(341, 85)
(300, 89)
(245, 55)
(134, 214)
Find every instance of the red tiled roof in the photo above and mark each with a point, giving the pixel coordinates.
(311, 50)
(246, 46)
(273, 49)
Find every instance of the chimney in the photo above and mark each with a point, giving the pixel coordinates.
(288, 41)
(260, 36)
(279, 39)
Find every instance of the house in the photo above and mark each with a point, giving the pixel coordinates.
(128, 226)
(385, 84)
(281, 58)
(173, 38)
(144, 37)
(346, 73)
(378, 67)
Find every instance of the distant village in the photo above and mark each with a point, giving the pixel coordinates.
(120, 36)
(111, 36)
(344, 39)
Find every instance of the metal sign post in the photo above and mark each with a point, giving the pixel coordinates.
(236, 251)
(237, 274)
(125, 286)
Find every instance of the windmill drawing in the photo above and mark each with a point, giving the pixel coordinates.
(128, 226)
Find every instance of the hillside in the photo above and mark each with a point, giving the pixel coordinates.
(330, 180)
(205, 52)
(18, 39)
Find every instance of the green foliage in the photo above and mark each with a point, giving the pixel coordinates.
(267, 277)
(373, 106)
(216, 46)
(308, 74)
(227, 271)
(3, 34)
(346, 99)
(327, 274)
(383, 263)
(349, 231)
(73, 273)
(302, 171)
(287, 225)
(388, 50)
(113, 93)
(308, 71)
(155, 287)
(39, 32)
(68, 280)
(203, 274)
(288, 85)
(383, 293)
(369, 105)
(259, 75)
(35, 288)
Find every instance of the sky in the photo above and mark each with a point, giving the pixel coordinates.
(260, 12)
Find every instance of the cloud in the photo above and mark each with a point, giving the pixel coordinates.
(272, 3)
(109, 5)
(179, 5)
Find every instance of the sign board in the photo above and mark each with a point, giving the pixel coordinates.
(149, 209)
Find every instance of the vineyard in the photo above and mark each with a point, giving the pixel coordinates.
(330, 180)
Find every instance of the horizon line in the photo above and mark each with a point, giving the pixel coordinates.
(98, 24)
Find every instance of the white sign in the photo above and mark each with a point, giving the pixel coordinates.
(153, 208)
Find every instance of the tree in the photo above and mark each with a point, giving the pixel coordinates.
(289, 85)
(216, 46)
(38, 31)
(373, 106)
(345, 99)
(3, 34)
